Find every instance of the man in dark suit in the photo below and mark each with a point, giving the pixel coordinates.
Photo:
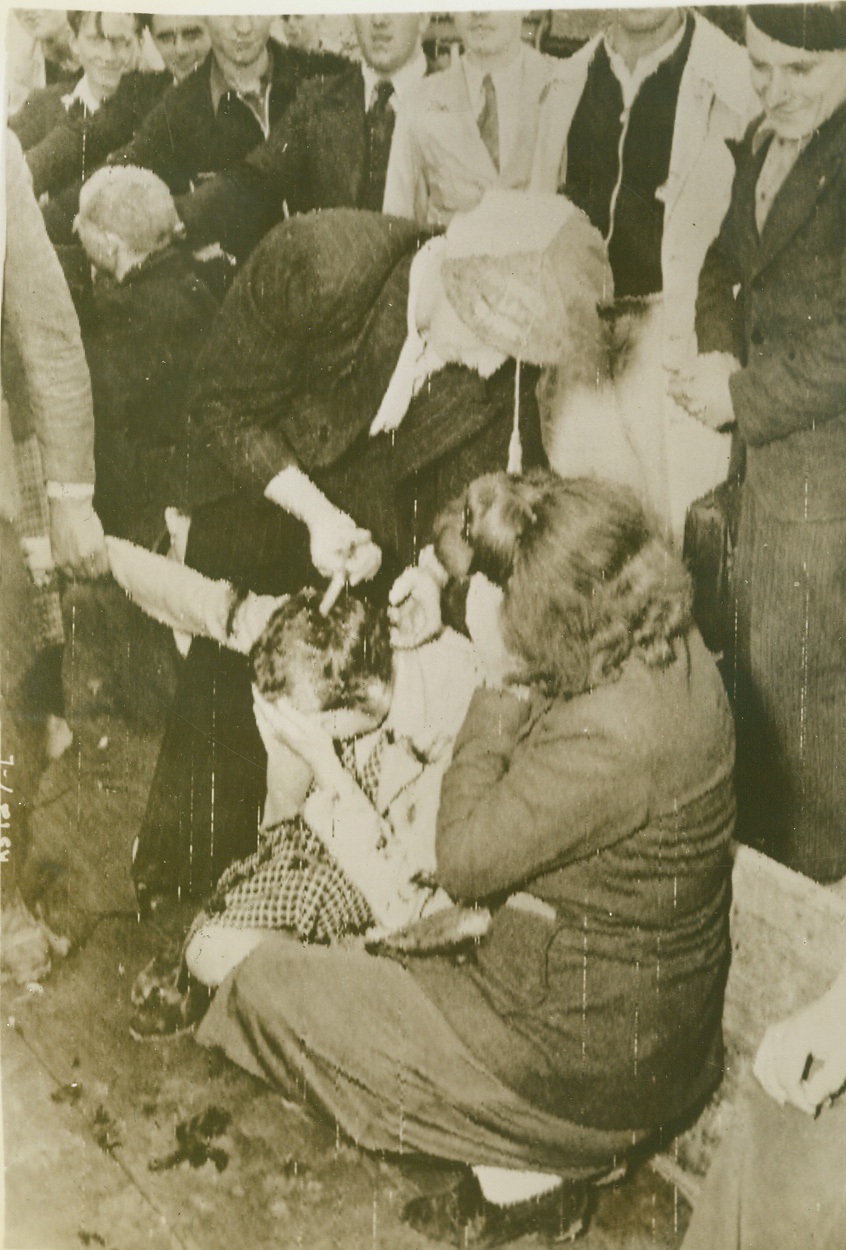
(227, 106)
(331, 149)
(299, 361)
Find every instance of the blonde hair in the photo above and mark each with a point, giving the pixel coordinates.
(132, 203)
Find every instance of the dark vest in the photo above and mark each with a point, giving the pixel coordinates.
(593, 164)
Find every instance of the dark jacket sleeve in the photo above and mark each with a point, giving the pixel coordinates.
(39, 114)
(238, 206)
(718, 320)
(79, 145)
(520, 797)
(298, 352)
(801, 385)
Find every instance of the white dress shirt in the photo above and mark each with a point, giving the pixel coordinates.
(506, 83)
(406, 76)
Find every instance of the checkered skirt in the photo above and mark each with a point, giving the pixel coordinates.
(291, 882)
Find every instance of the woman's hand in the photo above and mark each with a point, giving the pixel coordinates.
(279, 721)
(340, 549)
(339, 546)
(414, 609)
(702, 388)
(802, 1060)
(483, 615)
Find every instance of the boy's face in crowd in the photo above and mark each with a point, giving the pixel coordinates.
(106, 47)
(183, 42)
(389, 40)
(487, 35)
(239, 40)
(798, 89)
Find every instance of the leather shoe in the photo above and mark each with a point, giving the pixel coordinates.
(461, 1216)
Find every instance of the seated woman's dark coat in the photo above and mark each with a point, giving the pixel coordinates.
(615, 809)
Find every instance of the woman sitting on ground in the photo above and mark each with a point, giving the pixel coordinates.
(325, 672)
(589, 804)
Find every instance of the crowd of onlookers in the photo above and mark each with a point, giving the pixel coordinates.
(416, 369)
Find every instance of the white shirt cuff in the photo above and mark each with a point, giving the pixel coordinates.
(70, 490)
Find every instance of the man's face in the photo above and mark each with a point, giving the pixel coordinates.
(389, 40)
(645, 21)
(489, 34)
(302, 31)
(239, 40)
(798, 89)
(107, 46)
(183, 42)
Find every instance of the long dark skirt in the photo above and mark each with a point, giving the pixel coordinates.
(357, 1037)
(790, 696)
(210, 780)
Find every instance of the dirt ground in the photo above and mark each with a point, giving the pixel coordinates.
(124, 1145)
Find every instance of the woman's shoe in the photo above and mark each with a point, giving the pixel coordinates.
(171, 1014)
(463, 1217)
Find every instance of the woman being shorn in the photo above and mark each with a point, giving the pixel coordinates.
(589, 805)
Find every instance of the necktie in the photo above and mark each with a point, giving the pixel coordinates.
(488, 120)
(379, 131)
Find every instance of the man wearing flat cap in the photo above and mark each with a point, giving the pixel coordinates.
(339, 403)
(771, 325)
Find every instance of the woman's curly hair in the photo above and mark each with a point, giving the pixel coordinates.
(587, 579)
(323, 662)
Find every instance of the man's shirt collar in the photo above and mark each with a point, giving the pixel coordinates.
(632, 80)
(506, 80)
(82, 94)
(402, 79)
(257, 100)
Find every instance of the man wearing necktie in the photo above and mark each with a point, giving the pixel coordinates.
(330, 151)
(379, 129)
(471, 128)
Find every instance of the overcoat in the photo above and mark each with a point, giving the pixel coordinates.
(777, 299)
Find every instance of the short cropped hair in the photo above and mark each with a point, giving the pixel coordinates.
(132, 203)
(323, 663)
(588, 580)
(75, 20)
